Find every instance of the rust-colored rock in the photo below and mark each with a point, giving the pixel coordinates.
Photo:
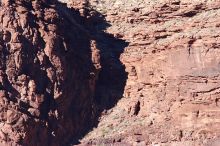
(171, 97)
(60, 72)
(45, 62)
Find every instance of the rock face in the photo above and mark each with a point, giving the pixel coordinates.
(60, 72)
(48, 69)
(172, 92)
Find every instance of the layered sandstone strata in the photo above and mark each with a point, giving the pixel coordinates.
(172, 92)
(169, 80)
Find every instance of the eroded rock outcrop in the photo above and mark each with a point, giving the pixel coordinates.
(48, 69)
(50, 64)
(172, 92)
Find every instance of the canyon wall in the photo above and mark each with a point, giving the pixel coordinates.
(171, 97)
(110, 72)
(48, 70)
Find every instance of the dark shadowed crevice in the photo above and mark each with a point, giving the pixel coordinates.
(112, 76)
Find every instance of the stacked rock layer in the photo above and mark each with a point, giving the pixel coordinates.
(172, 92)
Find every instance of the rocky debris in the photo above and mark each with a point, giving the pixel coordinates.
(173, 72)
(48, 71)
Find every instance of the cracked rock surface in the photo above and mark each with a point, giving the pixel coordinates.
(60, 69)
(48, 68)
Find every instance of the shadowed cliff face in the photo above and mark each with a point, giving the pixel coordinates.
(61, 73)
(50, 61)
(171, 96)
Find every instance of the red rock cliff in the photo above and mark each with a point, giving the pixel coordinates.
(172, 92)
(48, 69)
